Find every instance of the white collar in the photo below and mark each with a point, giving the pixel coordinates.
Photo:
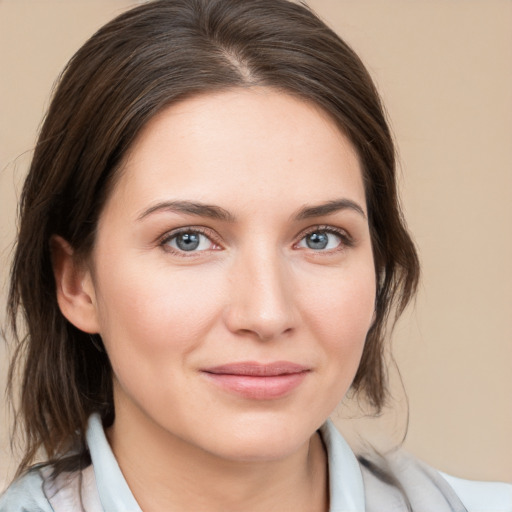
(112, 488)
(345, 480)
(346, 486)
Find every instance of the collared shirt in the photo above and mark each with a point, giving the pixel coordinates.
(109, 492)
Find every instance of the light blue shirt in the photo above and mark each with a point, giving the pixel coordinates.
(107, 490)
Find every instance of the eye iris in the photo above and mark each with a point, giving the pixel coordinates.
(188, 241)
(317, 240)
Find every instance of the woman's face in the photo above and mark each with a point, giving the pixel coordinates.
(233, 277)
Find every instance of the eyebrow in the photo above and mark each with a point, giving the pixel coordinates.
(190, 208)
(307, 212)
(218, 213)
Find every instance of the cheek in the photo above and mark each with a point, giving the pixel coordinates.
(340, 318)
(155, 310)
(343, 310)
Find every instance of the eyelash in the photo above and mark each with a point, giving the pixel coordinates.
(167, 237)
(346, 241)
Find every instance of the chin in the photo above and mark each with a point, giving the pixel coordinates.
(260, 439)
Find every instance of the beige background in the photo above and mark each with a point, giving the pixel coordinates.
(444, 68)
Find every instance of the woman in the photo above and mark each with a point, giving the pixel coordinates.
(210, 247)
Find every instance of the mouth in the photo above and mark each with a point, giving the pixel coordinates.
(256, 381)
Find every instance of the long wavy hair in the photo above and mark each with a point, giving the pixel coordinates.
(147, 58)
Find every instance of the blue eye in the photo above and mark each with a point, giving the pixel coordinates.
(189, 241)
(321, 240)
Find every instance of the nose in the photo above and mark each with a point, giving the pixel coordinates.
(261, 297)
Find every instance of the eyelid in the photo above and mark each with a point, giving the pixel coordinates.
(346, 239)
(203, 230)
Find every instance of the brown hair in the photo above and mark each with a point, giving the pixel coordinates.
(142, 61)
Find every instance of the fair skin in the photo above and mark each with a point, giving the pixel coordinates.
(233, 329)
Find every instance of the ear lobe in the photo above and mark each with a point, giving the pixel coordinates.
(74, 286)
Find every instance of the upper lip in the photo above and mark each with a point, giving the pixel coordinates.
(254, 369)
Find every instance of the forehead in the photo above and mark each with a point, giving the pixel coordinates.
(257, 143)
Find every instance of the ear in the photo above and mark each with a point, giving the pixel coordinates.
(75, 287)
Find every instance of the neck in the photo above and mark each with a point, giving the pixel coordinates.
(168, 473)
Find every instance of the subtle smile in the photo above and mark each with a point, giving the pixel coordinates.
(258, 381)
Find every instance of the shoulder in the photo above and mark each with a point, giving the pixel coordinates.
(482, 496)
(475, 496)
(39, 491)
(422, 482)
(400, 481)
(26, 495)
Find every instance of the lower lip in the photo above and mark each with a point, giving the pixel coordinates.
(258, 387)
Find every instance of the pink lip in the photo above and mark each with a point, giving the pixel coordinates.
(258, 381)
